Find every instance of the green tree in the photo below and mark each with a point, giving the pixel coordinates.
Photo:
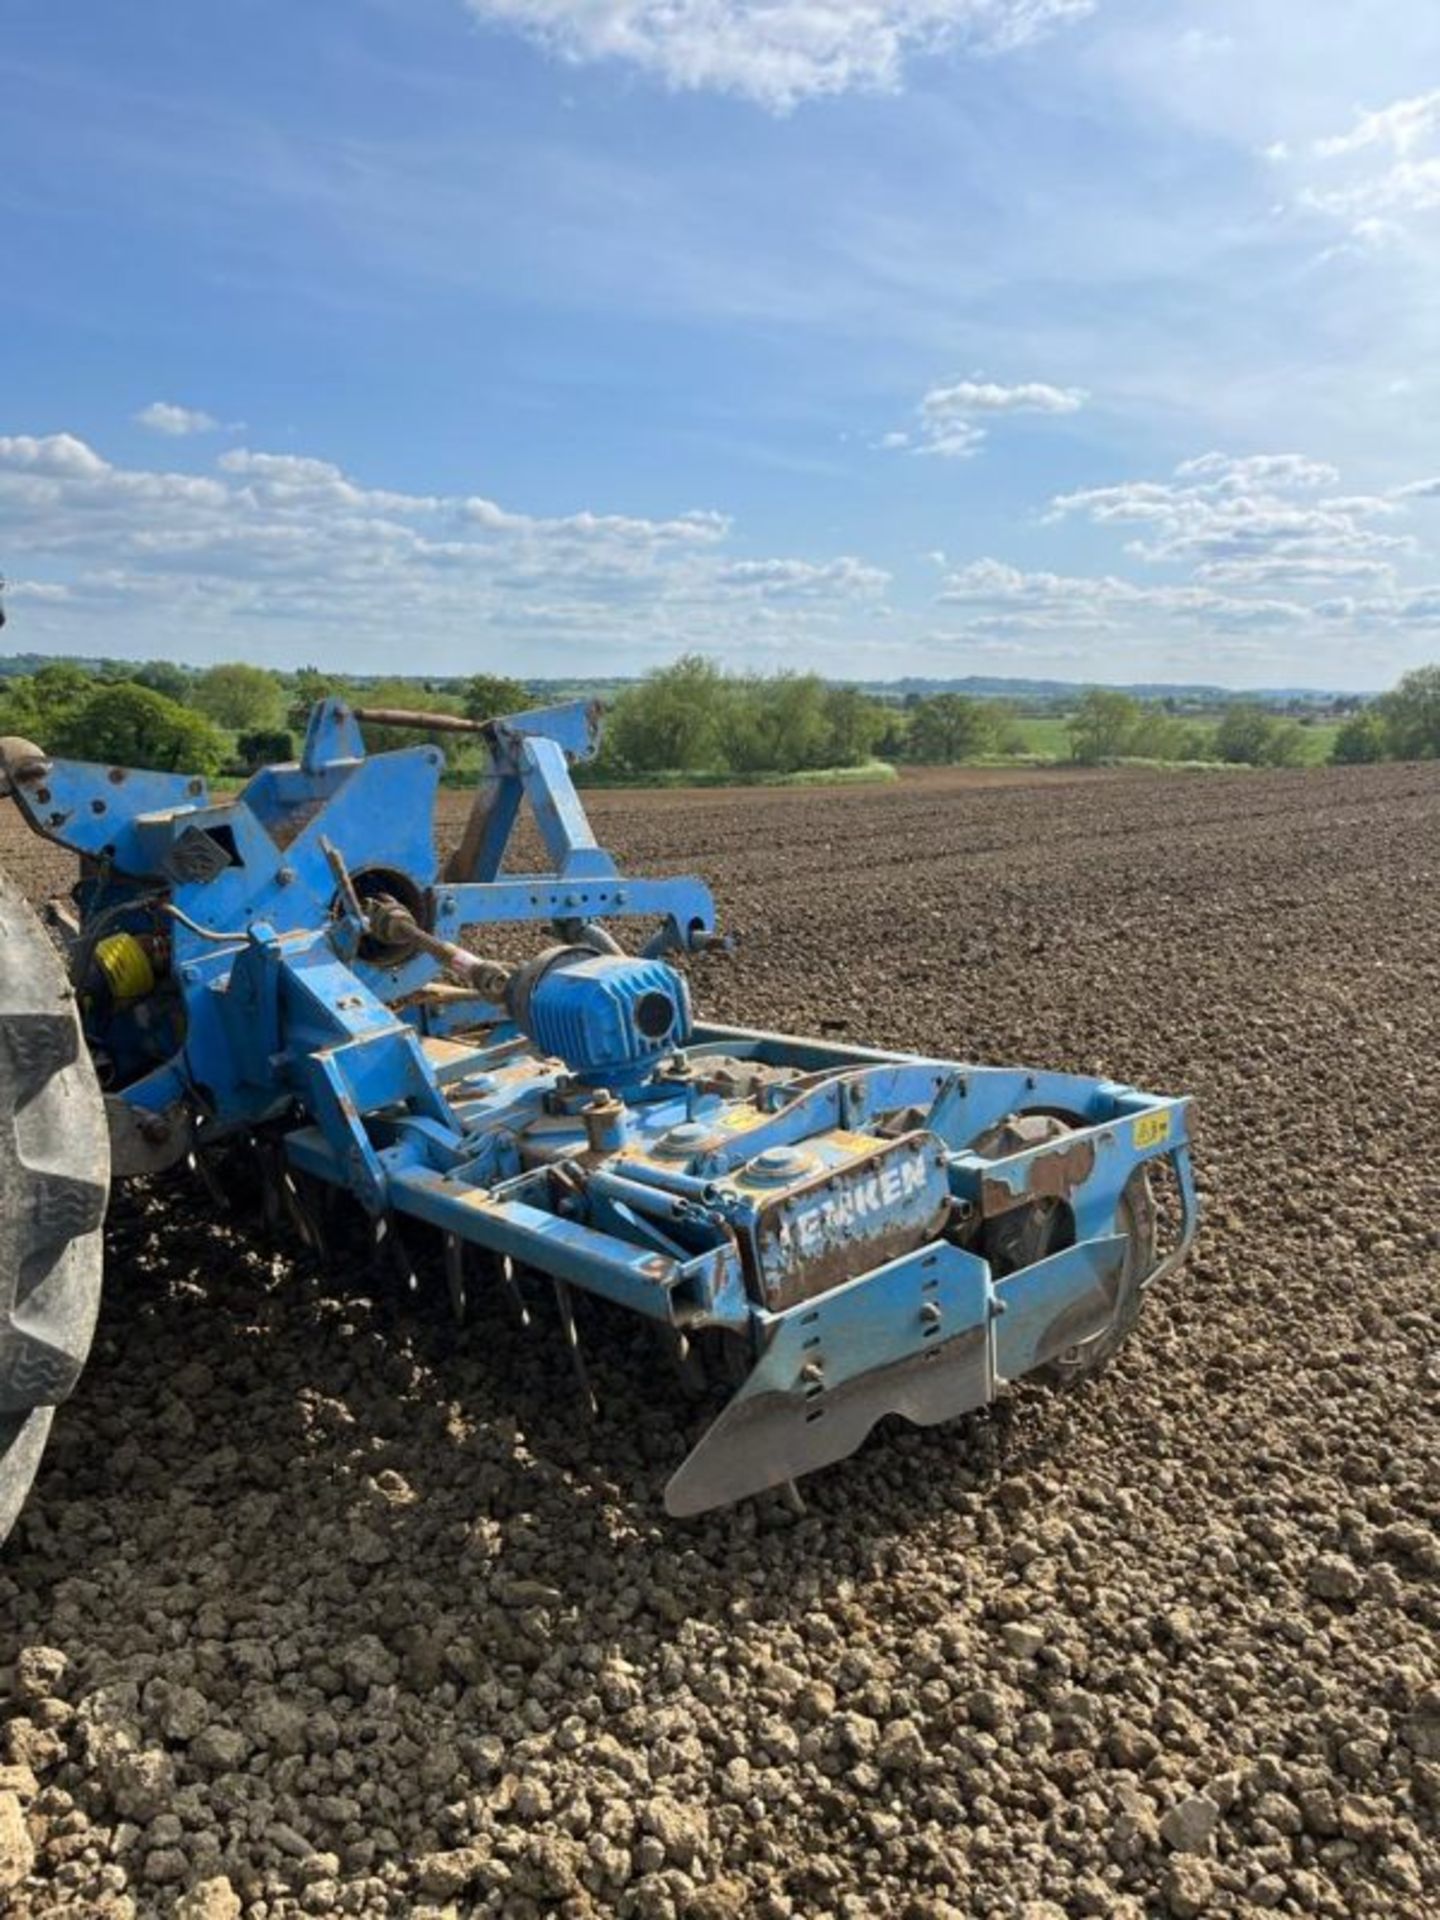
(239, 696)
(671, 719)
(1286, 745)
(128, 726)
(489, 694)
(61, 685)
(307, 688)
(949, 727)
(1104, 726)
(19, 712)
(1411, 715)
(774, 723)
(264, 747)
(1006, 725)
(855, 722)
(1361, 741)
(161, 676)
(1250, 736)
(892, 742)
(1243, 734)
(37, 706)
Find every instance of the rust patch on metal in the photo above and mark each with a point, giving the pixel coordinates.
(1052, 1176)
(415, 720)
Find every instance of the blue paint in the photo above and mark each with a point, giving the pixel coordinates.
(835, 1222)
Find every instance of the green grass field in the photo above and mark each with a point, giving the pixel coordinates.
(1046, 736)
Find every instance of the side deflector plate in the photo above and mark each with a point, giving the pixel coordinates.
(911, 1338)
(1057, 1304)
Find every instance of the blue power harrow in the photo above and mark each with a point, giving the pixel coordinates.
(840, 1233)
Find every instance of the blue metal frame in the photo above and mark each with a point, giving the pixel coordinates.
(829, 1216)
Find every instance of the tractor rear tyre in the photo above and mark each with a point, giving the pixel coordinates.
(54, 1183)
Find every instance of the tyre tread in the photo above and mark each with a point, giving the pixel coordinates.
(54, 1184)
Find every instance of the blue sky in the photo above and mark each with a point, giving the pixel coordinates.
(1034, 337)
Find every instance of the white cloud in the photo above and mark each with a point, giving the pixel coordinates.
(949, 440)
(1266, 547)
(1402, 126)
(776, 52)
(946, 415)
(1294, 571)
(56, 456)
(987, 396)
(162, 416)
(1257, 567)
(1378, 176)
(1267, 514)
(788, 578)
(49, 592)
(295, 542)
(1069, 601)
(1260, 469)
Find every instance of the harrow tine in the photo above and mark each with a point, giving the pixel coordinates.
(271, 1204)
(317, 1197)
(455, 1275)
(688, 1365)
(388, 1249)
(301, 1217)
(199, 1165)
(565, 1302)
(400, 1256)
(512, 1288)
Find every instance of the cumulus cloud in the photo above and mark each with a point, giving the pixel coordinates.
(803, 578)
(286, 555)
(1263, 545)
(163, 416)
(776, 52)
(1377, 177)
(1401, 127)
(1264, 515)
(947, 425)
(987, 396)
(1089, 600)
(293, 540)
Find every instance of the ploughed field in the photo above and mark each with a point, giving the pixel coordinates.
(321, 1607)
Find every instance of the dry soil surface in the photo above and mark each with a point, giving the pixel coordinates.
(319, 1607)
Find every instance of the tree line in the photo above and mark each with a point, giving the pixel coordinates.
(689, 718)
(695, 717)
(1108, 726)
(692, 717)
(229, 719)
(1403, 724)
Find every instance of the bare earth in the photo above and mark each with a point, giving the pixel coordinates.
(359, 1614)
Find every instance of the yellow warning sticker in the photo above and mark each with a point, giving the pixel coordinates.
(1152, 1128)
(740, 1119)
